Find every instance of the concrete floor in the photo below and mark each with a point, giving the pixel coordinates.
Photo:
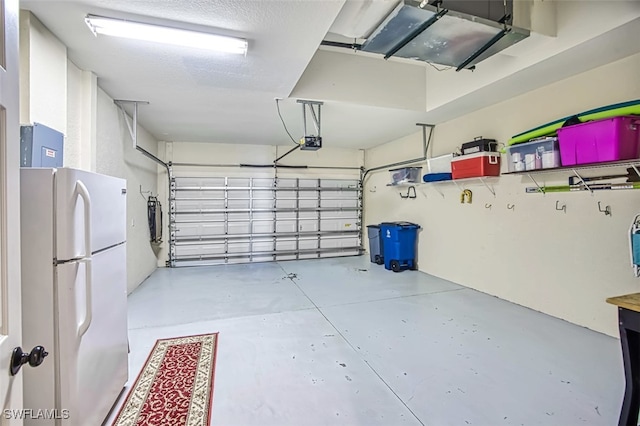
(345, 342)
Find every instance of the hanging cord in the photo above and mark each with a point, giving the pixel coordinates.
(283, 123)
(286, 153)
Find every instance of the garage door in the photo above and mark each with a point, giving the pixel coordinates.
(237, 220)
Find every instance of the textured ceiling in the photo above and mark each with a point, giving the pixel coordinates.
(199, 96)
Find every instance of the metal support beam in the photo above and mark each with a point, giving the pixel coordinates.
(133, 131)
(425, 146)
(484, 48)
(353, 46)
(311, 105)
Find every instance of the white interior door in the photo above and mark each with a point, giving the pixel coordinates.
(10, 322)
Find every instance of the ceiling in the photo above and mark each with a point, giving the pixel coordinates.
(199, 96)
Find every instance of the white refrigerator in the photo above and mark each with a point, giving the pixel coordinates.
(74, 294)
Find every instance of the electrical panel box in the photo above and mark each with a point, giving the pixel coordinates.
(40, 146)
(311, 143)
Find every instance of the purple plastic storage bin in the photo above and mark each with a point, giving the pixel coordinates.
(609, 139)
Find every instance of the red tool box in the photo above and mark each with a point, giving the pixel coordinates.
(476, 165)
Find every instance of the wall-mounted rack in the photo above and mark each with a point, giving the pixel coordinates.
(577, 171)
(462, 184)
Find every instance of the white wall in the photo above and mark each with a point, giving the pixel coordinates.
(55, 92)
(73, 137)
(230, 154)
(43, 75)
(80, 140)
(563, 264)
(117, 157)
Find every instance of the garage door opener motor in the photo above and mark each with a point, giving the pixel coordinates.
(311, 142)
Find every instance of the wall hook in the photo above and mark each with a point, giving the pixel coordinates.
(511, 206)
(142, 193)
(564, 206)
(467, 196)
(487, 206)
(606, 211)
(409, 195)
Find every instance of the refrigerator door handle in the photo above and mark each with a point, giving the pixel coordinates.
(88, 312)
(82, 191)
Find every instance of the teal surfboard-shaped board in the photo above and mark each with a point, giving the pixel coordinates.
(550, 129)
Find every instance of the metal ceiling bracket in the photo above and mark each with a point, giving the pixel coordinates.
(133, 131)
(353, 46)
(312, 106)
(133, 128)
(490, 188)
(540, 188)
(496, 38)
(575, 172)
(415, 33)
(425, 147)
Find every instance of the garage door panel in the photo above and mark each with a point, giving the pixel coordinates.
(262, 227)
(238, 247)
(237, 220)
(286, 215)
(262, 216)
(308, 204)
(198, 251)
(286, 226)
(259, 203)
(261, 247)
(238, 217)
(338, 215)
(285, 203)
(286, 246)
(239, 194)
(338, 224)
(342, 203)
(339, 242)
(238, 204)
(308, 215)
(239, 228)
(308, 244)
(284, 258)
(238, 182)
(195, 230)
(308, 226)
(337, 194)
(199, 204)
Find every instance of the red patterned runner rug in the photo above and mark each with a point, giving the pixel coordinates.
(175, 385)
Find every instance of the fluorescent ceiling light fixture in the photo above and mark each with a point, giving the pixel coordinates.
(166, 35)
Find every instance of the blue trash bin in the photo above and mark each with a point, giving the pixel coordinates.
(399, 245)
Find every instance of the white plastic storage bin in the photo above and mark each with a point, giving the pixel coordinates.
(405, 175)
(440, 164)
(540, 154)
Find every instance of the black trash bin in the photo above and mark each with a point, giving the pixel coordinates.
(375, 244)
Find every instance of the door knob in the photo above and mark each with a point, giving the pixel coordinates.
(34, 358)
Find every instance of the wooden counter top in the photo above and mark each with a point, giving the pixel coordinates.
(628, 301)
